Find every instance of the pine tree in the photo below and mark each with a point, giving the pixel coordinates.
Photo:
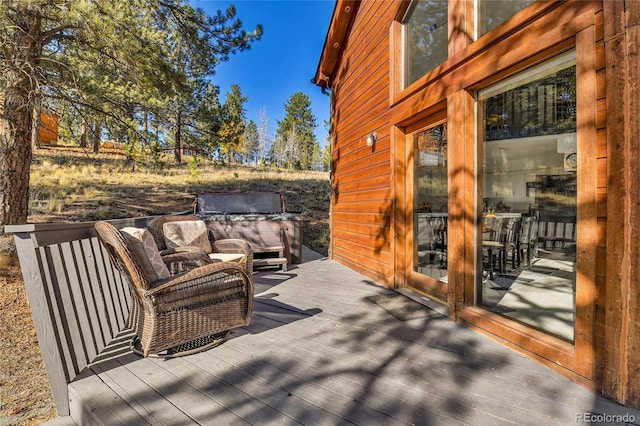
(233, 123)
(296, 132)
(250, 143)
(113, 62)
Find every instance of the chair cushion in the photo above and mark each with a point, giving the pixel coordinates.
(144, 247)
(186, 233)
(229, 257)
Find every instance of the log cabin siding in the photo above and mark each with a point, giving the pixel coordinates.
(372, 200)
(362, 197)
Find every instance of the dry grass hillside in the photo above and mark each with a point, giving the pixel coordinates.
(73, 185)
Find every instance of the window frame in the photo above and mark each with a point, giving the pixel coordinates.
(462, 45)
(405, 37)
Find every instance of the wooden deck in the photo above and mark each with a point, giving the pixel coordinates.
(319, 351)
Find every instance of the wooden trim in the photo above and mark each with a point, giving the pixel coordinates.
(460, 26)
(468, 69)
(396, 66)
(418, 121)
(489, 40)
(402, 9)
(398, 220)
(553, 352)
(622, 306)
(587, 236)
(616, 203)
(422, 283)
(461, 159)
(459, 35)
(580, 360)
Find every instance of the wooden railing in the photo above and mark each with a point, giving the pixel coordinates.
(78, 301)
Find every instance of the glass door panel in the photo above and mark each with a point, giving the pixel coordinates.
(430, 203)
(529, 193)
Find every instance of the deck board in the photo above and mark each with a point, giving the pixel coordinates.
(318, 351)
(215, 387)
(194, 406)
(135, 392)
(307, 385)
(358, 367)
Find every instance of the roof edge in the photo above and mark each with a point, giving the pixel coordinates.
(343, 14)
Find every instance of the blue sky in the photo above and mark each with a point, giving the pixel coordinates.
(283, 62)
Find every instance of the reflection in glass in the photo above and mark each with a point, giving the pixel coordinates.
(430, 202)
(426, 38)
(528, 225)
(492, 13)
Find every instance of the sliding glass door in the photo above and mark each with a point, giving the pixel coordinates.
(526, 262)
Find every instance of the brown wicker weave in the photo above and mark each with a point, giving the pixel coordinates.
(227, 245)
(185, 309)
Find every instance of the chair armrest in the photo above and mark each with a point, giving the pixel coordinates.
(234, 245)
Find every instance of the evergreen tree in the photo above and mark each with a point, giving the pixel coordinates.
(326, 150)
(233, 123)
(250, 143)
(296, 132)
(113, 62)
(207, 120)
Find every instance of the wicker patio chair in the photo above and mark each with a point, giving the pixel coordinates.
(229, 249)
(174, 315)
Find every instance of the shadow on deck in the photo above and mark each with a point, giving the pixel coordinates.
(321, 349)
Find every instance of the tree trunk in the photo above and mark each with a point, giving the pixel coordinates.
(177, 138)
(83, 136)
(15, 153)
(97, 137)
(17, 119)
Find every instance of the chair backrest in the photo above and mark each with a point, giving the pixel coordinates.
(121, 255)
(155, 227)
(525, 229)
(508, 231)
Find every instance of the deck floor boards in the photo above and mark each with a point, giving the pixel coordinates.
(318, 351)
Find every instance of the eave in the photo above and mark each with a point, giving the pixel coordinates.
(343, 15)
